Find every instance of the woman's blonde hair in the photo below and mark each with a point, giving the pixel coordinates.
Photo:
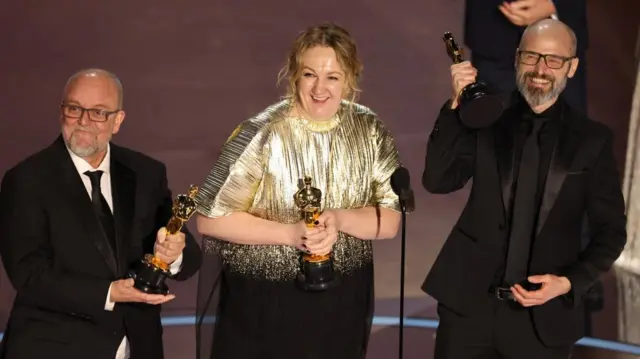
(326, 35)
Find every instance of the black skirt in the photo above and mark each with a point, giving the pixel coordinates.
(266, 319)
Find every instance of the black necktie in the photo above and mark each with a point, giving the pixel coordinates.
(524, 208)
(101, 208)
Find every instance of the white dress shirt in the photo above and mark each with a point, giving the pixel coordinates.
(105, 186)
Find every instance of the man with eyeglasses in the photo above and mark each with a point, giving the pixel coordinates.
(75, 217)
(493, 29)
(512, 277)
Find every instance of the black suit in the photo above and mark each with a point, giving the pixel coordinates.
(581, 178)
(61, 263)
(493, 41)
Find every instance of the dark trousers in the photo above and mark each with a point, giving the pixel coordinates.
(503, 331)
(501, 75)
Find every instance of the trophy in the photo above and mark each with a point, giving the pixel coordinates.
(150, 276)
(316, 272)
(478, 107)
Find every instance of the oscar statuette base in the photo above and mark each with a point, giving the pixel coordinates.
(149, 277)
(479, 107)
(317, 276)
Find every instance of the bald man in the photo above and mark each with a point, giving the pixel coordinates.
(493, 29)
(511, 279)
(75, 217)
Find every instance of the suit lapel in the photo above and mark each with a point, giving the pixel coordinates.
(123, 189)
(69, 182)
(505, 155)
(564, 151)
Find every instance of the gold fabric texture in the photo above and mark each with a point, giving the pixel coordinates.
(261, 166)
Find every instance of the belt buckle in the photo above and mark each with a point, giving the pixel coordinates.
(499, 292)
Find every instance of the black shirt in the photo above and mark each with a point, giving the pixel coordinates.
(546, 139)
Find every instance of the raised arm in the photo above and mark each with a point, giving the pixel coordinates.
(451, 148)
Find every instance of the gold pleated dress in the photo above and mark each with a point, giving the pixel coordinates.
(261, 313)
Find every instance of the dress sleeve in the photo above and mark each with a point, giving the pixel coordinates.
(386, 162)
(234, 179)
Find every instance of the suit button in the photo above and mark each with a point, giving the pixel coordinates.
(501, 226)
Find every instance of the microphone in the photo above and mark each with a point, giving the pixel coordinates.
(401, 186)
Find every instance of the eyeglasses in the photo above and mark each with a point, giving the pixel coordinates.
(552, 61)
(95, 114)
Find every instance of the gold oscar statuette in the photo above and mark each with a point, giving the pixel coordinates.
(316, 270)
(150, 277)
(478, 105)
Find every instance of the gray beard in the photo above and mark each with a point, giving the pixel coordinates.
(81, 151)
(537, 96)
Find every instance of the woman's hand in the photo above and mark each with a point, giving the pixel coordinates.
(328, 222)
(301, 236)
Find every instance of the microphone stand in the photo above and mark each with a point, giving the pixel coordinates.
(403, 208)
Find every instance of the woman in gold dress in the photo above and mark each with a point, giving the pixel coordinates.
(252, 223)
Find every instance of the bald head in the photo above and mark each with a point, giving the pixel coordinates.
(97, 74)
(545, 61)
(550, 30)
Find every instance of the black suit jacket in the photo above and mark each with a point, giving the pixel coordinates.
(488, 33)
(582, 178)
(61, 264)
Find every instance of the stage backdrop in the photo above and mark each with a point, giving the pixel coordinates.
(193, 70)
